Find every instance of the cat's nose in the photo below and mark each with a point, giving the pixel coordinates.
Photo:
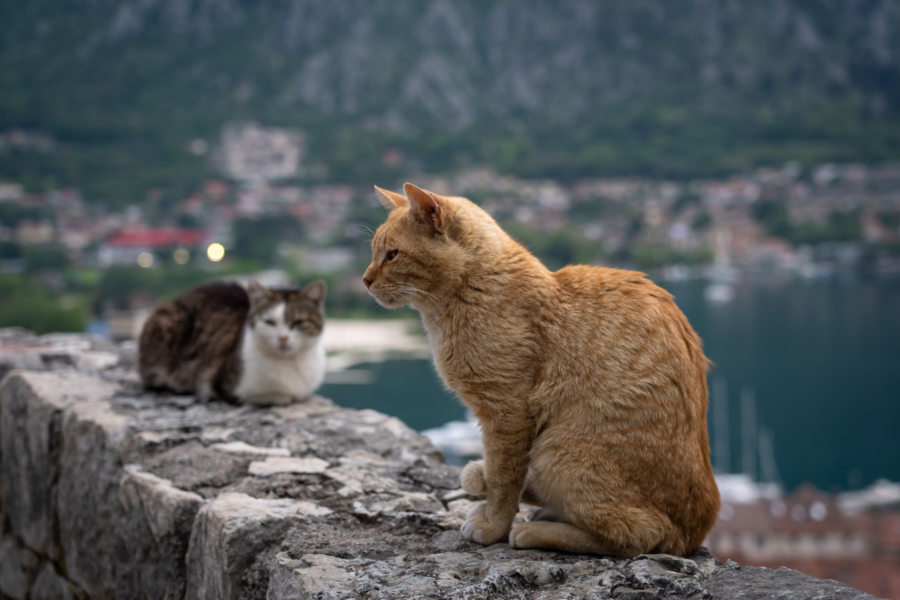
(282, 339)
(367, 281)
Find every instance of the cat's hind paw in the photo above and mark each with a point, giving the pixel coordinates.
(472, 478)
(518, 537)
(561, 536)
(478, 529)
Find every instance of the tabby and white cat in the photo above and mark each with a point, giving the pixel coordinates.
(256, 345)
(589, 384)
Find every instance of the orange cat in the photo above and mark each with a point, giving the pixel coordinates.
(589, 383)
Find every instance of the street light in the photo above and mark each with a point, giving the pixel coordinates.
(215, 252)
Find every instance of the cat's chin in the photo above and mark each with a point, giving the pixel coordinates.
(390, 302)
(282, 352)
(396, 304)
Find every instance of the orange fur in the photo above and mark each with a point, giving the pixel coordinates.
(588, 382)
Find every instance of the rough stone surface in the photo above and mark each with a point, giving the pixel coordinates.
(50, 586)
(756, 583)
(157, 520)
(13, 574)
(31, 426)
(111, 492)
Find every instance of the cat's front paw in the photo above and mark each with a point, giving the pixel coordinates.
(472, 478)
(269, 399)
(478, 529)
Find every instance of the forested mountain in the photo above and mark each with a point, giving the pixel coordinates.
(111, 91)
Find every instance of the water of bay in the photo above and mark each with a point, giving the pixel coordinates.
(810, 368)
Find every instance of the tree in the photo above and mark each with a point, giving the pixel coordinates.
(26, 304)
(258, 238)
(45, 257)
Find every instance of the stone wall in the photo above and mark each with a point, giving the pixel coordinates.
(111, 492)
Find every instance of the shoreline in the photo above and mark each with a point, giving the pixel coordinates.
(352, 341)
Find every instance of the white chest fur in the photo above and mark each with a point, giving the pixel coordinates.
(267, 378)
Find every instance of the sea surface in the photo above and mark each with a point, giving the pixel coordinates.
(805, 387)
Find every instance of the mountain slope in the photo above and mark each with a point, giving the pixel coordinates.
(564, 89)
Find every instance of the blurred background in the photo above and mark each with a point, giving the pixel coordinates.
(745, 155)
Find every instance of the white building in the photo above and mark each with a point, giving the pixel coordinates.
(252, 152)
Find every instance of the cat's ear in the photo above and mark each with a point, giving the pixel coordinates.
(315, 291)
(426, 207)
(390, 200)
(257, 293)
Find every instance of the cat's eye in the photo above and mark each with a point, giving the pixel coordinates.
(269, 322)
(392, 254)
(297, 324)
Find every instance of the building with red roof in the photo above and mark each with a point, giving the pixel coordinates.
(156, 239)
(125, 246)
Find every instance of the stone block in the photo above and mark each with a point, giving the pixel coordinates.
(234, 538)
(87, 498)
(31, 417)
(152, 536)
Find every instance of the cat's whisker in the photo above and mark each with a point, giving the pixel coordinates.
(409, 288)
(362, 228)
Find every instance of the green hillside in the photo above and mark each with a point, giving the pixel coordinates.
(568, 89)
